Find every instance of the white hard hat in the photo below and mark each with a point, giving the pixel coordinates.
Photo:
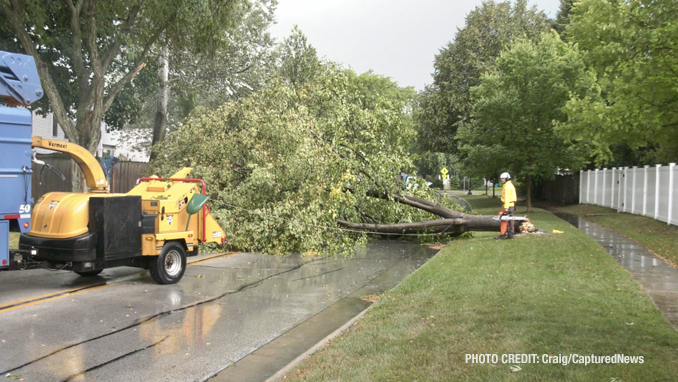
(505, 175)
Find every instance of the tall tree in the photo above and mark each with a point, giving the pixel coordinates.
(430, 163)
(632, 46)
(515, 110)
(232, 65)
(236, 64)
(87, 50)
(299, 61)
(563, 16)
(489, 29)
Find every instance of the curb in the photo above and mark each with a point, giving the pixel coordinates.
(287, 368)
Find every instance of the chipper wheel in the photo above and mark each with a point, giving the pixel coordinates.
(169, 267)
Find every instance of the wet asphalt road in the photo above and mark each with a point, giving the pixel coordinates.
(223, 310)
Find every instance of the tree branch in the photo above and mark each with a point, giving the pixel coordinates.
(77, 59)
(115, 89)
(125, 29)
(91, 35)
(422, 204)
(119, 85)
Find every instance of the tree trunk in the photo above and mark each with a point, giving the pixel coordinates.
(448, 226)
(453, 222)
(160, 123)
(88, 136)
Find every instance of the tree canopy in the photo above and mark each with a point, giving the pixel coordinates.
(299, 61)
(633, 48)
(515, 110)
(490, 29)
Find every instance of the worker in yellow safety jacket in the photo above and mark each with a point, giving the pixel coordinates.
(508, 205)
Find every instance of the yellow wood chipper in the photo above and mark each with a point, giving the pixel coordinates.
(155, 225)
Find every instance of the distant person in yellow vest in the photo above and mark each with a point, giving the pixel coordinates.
(508, 206)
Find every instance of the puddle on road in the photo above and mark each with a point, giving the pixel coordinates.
(658, 279)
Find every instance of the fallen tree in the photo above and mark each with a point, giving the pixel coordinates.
(312, 167)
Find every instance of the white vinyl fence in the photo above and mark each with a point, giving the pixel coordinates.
(649, 191)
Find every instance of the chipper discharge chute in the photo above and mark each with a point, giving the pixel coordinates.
(149, 227)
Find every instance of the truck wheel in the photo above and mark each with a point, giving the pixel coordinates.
(169, 267)
(89, 273)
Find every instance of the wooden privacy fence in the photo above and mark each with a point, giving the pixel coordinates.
(123, 175)
(649, 191)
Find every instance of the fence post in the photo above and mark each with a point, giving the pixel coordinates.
(612, 190)
(671, 177)
(633, 190)
(626, 186)
(588, 186)
(581, 184)
(595, 187)
(656, 194)
(645, 189)
(620, 201)
(602, 203)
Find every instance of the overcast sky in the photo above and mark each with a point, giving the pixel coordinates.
(394, 38)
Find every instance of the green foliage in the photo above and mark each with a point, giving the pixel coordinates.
(633, 48)
(455, 182)
(128, 107)
(515, 108)
(299, 61)
(88, 51)
(490, 28)
(52, 36)
(278, 164)
(372, 88)
(563, 16)
(238, 64)
(430, 163)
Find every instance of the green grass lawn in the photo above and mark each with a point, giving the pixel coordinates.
(538, 294)
(657, 236)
